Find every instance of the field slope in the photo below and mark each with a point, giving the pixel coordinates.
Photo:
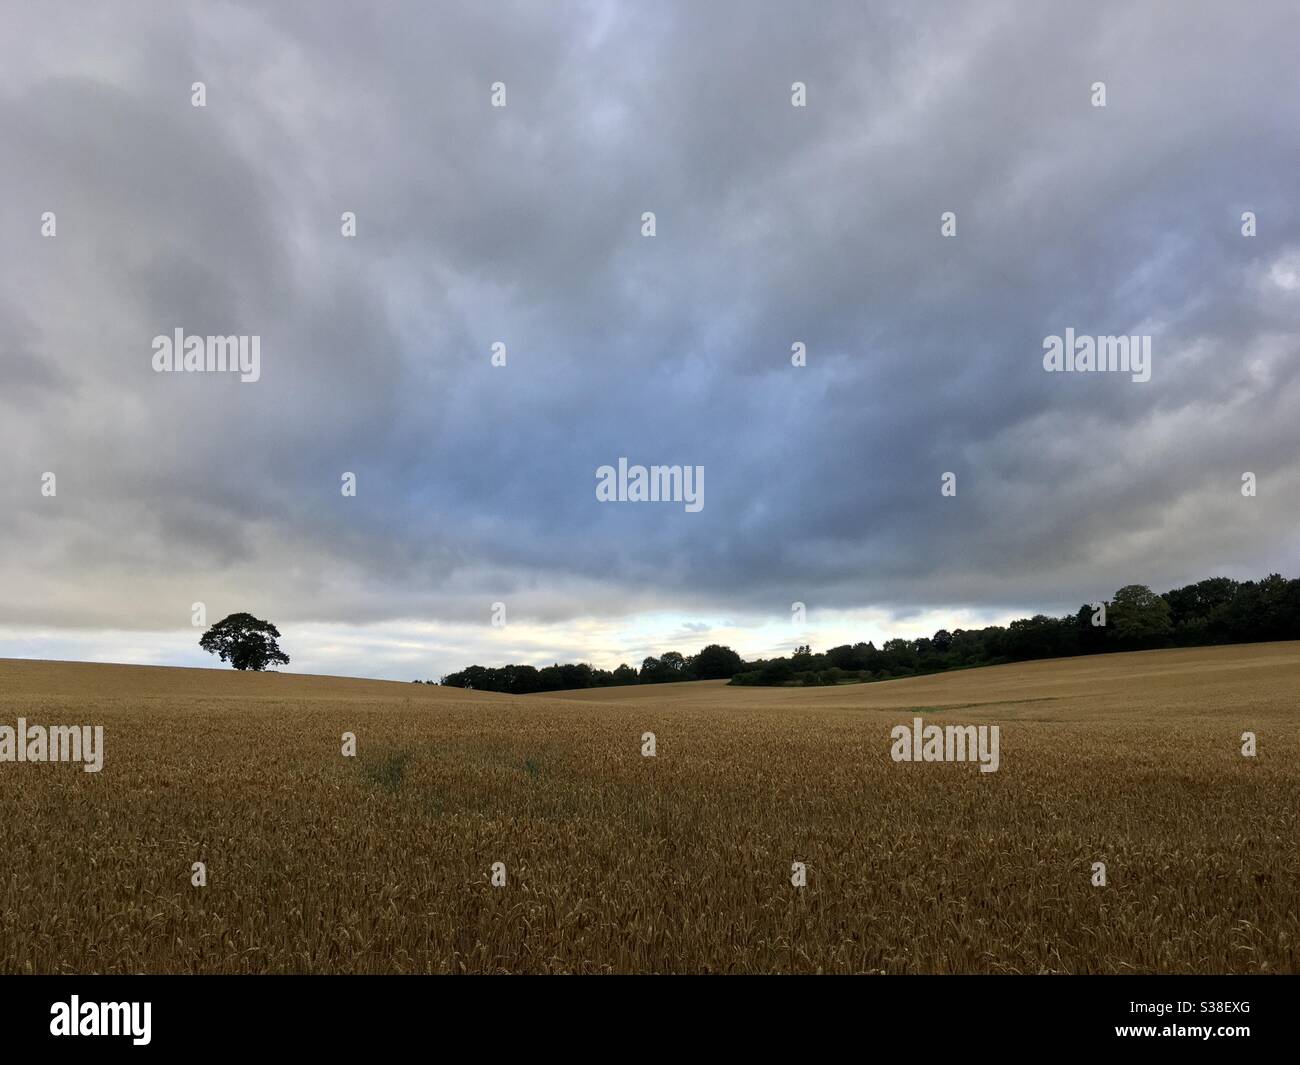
(676, 863)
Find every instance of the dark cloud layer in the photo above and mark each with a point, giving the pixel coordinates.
(522, 225)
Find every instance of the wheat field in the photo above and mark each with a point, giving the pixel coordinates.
(616, 862)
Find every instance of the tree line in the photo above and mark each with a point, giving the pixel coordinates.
(1214, 611)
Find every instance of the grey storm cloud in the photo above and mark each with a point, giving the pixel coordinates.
(521, 225)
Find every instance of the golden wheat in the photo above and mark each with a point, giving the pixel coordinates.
(677, 863)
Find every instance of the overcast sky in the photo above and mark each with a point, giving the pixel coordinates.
(522, 224)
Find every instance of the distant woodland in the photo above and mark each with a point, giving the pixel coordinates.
(1214, 611)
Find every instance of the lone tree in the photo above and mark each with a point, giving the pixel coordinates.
(245, 642)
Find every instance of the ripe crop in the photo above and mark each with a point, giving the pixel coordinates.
(679, 862)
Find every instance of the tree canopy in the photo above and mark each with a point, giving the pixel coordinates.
(245, 642)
